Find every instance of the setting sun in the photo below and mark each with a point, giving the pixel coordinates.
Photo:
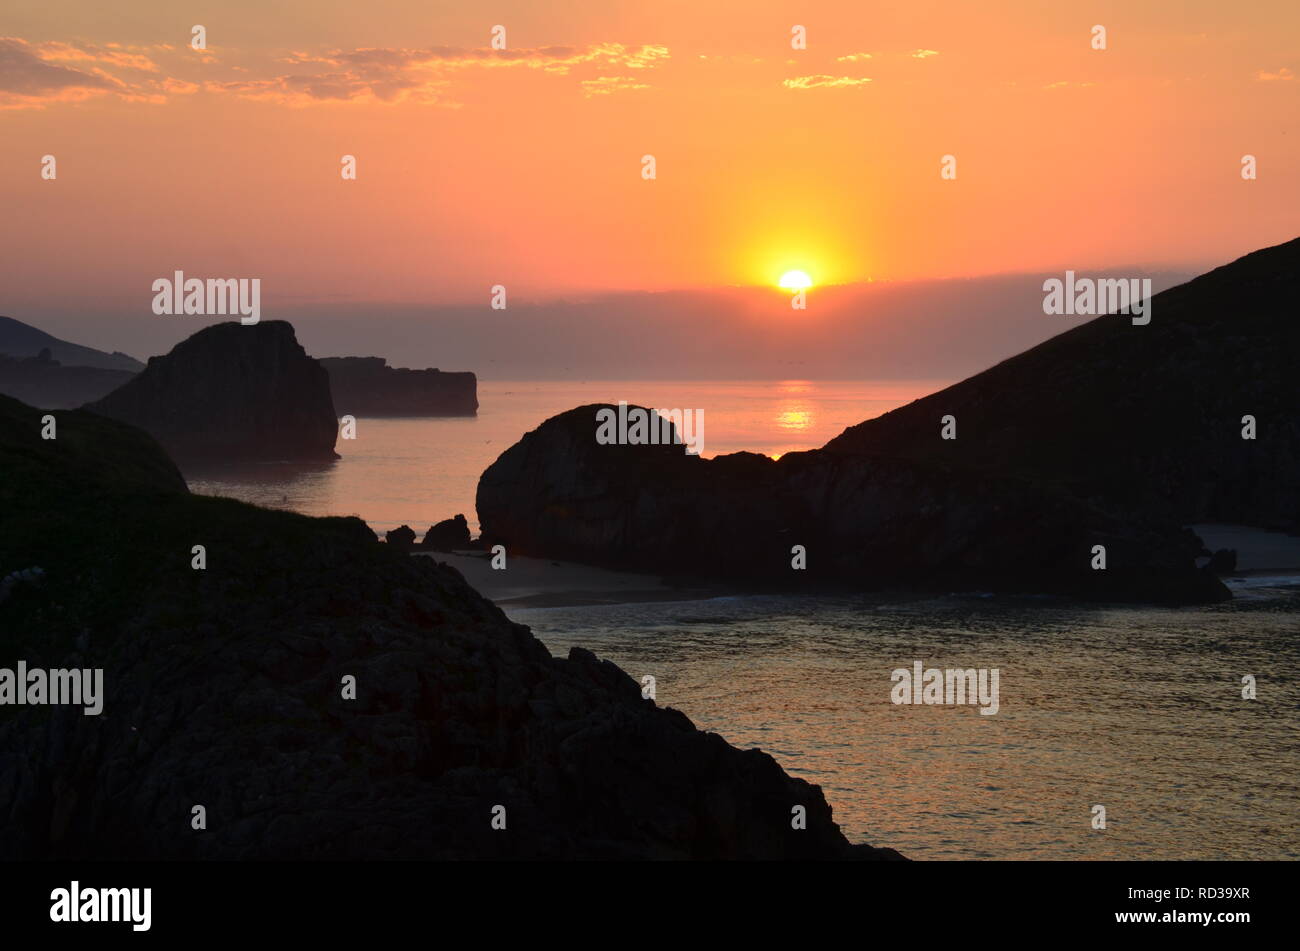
(795, 280)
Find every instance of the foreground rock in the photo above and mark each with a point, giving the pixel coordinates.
(223, 688)
(368, 386)
(232, 393)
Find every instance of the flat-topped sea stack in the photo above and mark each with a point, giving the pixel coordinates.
(232, 393)
(368, 386)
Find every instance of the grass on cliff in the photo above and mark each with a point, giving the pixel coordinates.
(105, 514)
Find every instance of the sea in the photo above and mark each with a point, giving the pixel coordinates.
(1122, 732)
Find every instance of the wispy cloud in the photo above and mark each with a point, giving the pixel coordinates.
(110, 54)
(824, 82)
(34, 75)
(29, 79)
(924, 54)
(389, 75)
(1282, 75)
(606, 85)
(853, 58)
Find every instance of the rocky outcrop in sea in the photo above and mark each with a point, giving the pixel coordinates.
(230, 393)
(451, 534)
(818, 520)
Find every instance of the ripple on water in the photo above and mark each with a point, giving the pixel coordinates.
(1136, 709)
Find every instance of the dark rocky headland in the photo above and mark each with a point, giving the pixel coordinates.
(368, 386)
(1108, 434)
(223, 688)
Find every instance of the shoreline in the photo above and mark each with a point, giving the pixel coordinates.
(528, 582)
(548, 583)
(1259, 552)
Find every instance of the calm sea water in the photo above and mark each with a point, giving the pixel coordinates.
(1135, 709)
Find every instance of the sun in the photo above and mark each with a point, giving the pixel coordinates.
(795, 281)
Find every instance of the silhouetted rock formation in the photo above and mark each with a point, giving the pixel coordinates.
(451, 534)
(18, 339)
(367, 386)
(402, 538)
(1222, 562)
(43, 381)
(223, 688)
(232, 393)
(1110, 434)
(865, 523)
(1139, 418)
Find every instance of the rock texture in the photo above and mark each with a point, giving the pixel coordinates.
(368, 386)
(224, 688)
(232, 393)
(1110, 434)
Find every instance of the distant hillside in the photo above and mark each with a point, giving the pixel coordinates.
(44, 382)
(18, 339)
(1143, 418)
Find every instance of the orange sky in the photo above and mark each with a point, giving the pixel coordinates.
(476, 168)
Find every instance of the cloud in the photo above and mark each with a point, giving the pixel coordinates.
(28, 80)
(388, 74)
(35, 75)
(853, 58)
(110, 54)
(1282, 75)
(924, 54)
(302, 90)
(606, 85)
(550, 58)
(823, 82)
